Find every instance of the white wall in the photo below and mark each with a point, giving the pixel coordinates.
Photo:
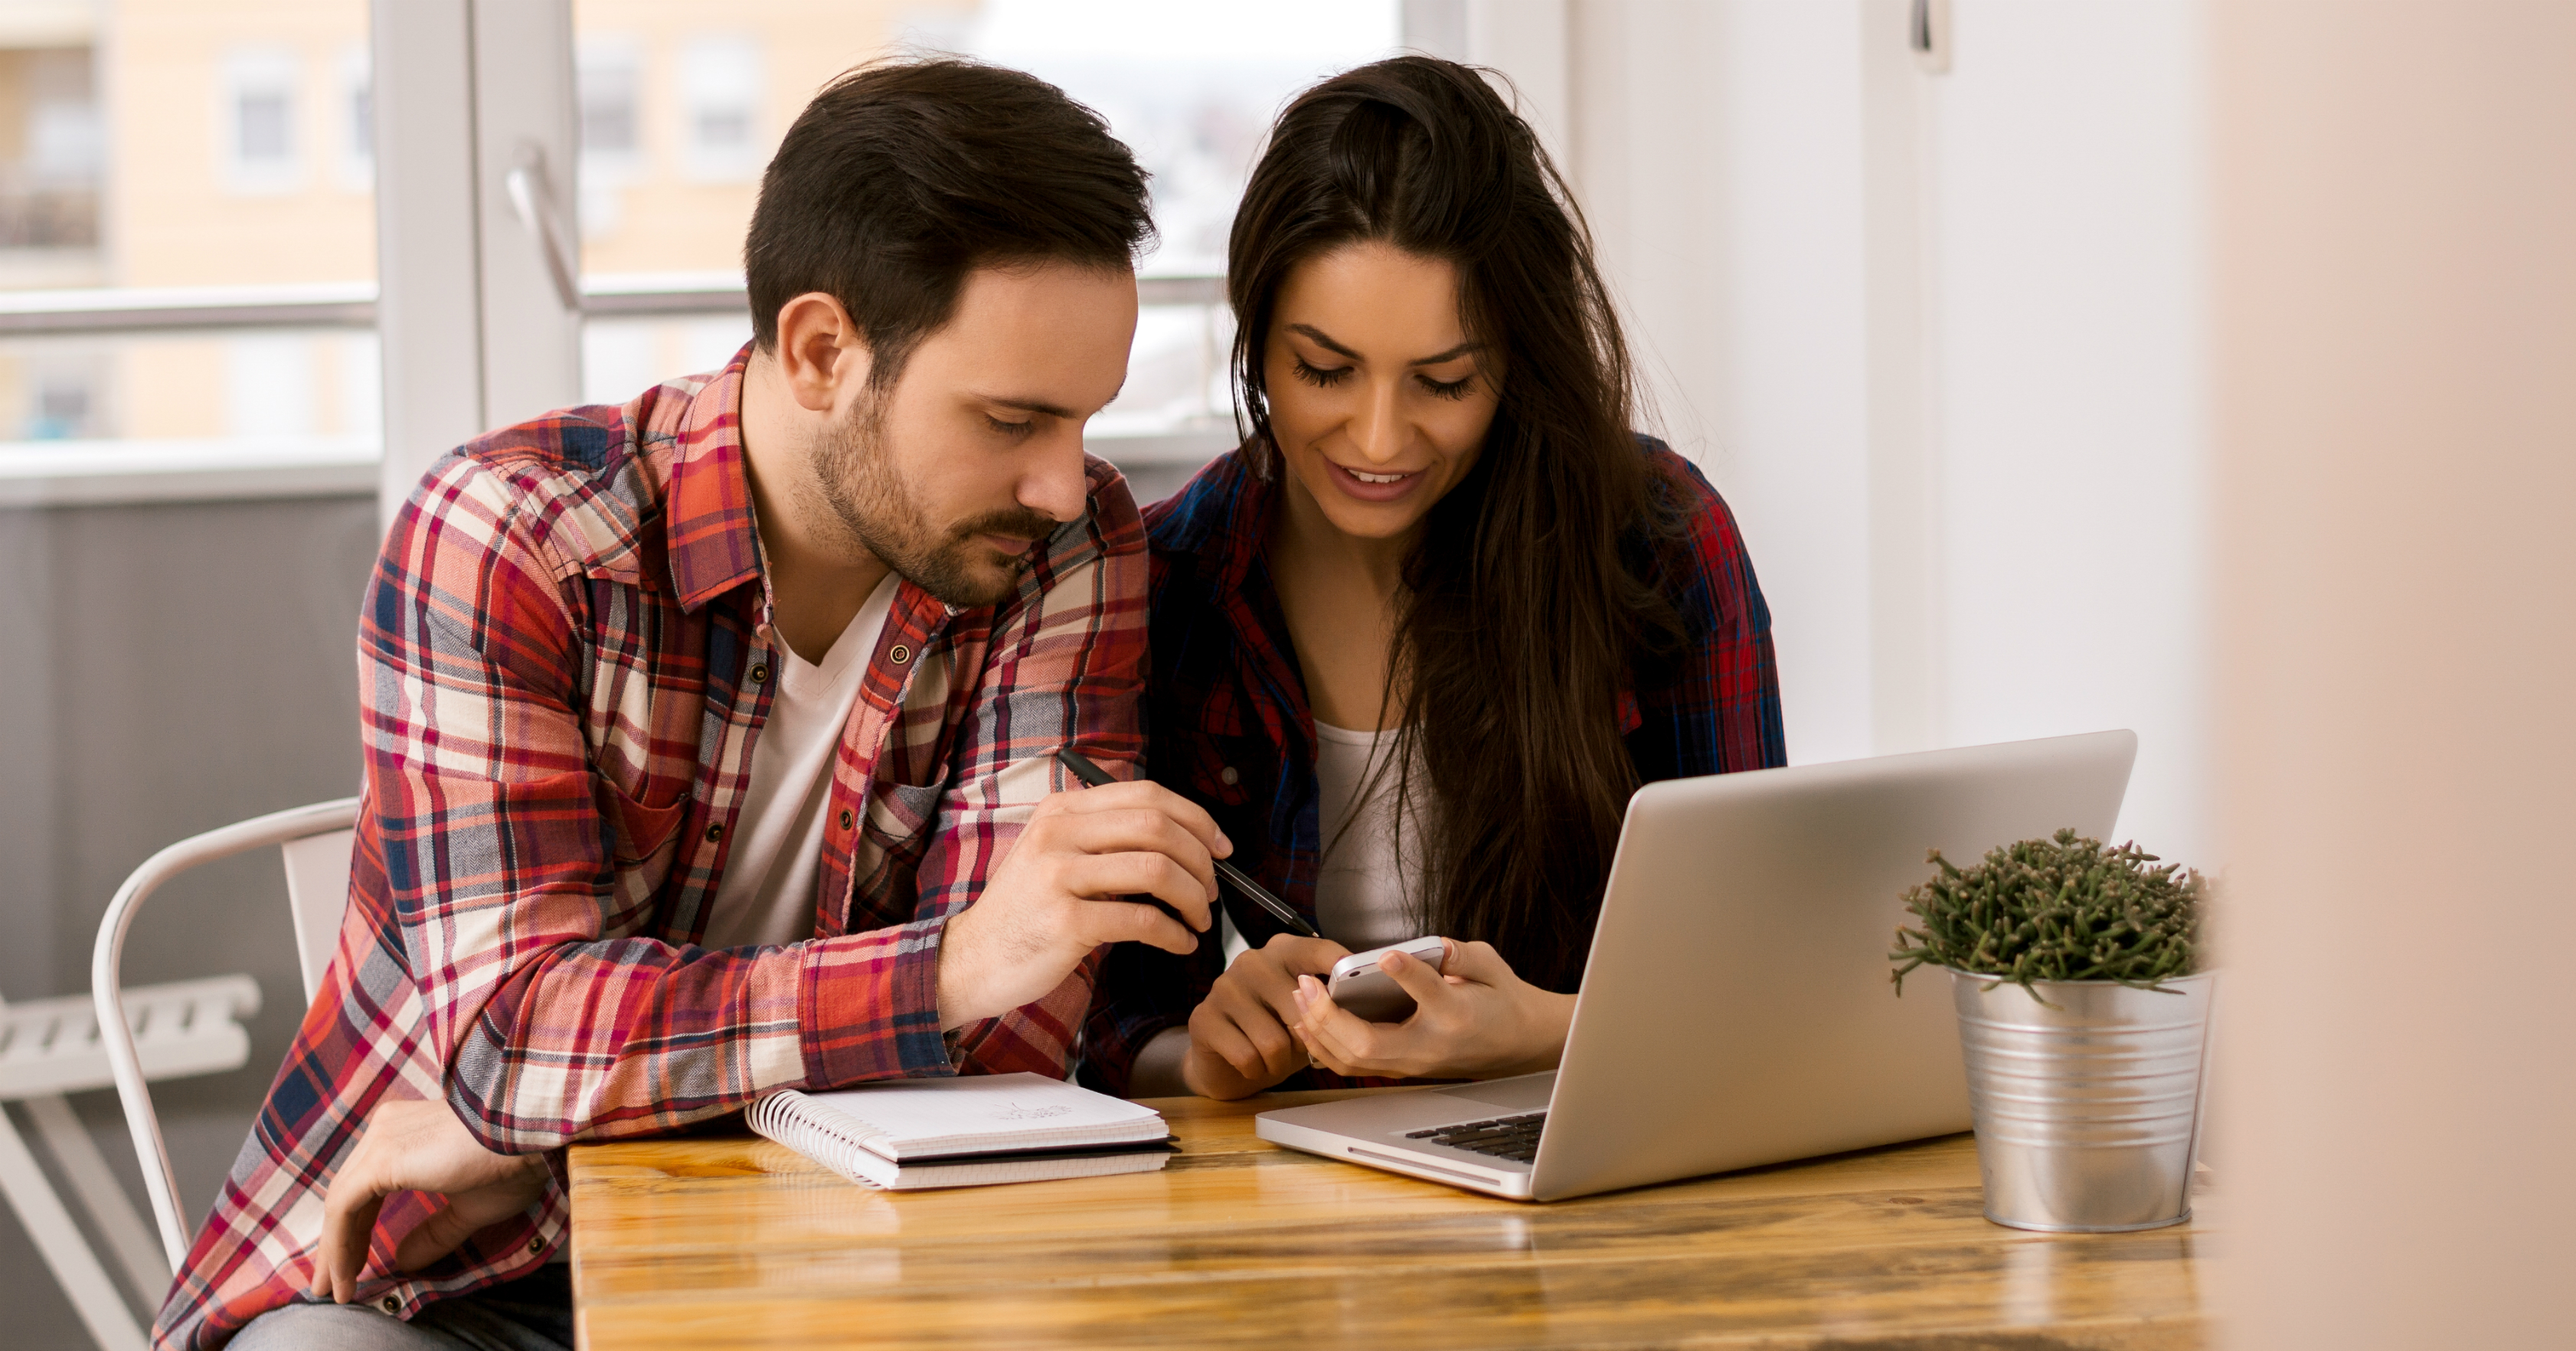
(2063, 199)
(1938, 338)
(1717, 148)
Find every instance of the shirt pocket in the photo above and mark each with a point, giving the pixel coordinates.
(899, 813)
(644, 831)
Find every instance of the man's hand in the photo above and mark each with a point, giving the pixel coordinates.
(1240, 1037)
(1055, 898)
(414, 1145)
(1479, 1021)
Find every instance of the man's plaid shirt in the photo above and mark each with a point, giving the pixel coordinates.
(563, 666)
(1231, 729)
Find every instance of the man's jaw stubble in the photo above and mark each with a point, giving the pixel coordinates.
(856, 478)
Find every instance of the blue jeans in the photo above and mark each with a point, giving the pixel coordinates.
(532, 1313)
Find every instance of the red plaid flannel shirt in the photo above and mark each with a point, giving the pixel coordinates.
(562, 668)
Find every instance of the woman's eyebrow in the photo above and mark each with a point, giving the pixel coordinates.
(1452, 354)
(1325, 341)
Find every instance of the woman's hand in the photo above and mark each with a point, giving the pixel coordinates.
(1478, 1021)
(415, 1145)
(1240, 1041)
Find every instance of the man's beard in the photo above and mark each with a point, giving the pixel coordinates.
(857, 479)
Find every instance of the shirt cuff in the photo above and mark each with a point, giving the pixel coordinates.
(870, 1008)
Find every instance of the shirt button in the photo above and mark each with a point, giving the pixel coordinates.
(390, 1304)
(845, 818)
(715, 831)
(901, 654)
(536, 1243)
(760, 674)
(1228, 777)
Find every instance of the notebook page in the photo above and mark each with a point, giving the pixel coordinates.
(976, 1114)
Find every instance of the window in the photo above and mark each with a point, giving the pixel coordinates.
(1191, 86)
(358, 121)
(187, 242)
(608, 73)
(50, 170)
(721, 85)
(258, 122)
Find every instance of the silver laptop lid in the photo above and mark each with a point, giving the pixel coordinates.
(1736, 1008)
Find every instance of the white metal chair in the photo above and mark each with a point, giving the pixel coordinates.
(127, 1037)
(50, 1047)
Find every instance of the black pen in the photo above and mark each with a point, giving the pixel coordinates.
(1080, 766)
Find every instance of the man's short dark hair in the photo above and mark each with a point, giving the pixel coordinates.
(902, 177)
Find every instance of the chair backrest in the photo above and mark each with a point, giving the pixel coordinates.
(317, 895)
(306, 880)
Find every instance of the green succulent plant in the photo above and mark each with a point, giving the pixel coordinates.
(2061, 909)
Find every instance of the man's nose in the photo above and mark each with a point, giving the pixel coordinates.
(1056, 484)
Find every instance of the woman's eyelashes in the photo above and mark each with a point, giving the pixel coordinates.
(1327, 377)
(1447, 389)
(1321, 379)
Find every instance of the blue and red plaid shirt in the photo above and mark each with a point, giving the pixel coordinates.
(1230, 726)
(563, 667)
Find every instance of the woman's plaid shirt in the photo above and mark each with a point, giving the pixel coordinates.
(1231, 729)
(563, 665)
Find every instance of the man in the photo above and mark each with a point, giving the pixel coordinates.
(707, 738)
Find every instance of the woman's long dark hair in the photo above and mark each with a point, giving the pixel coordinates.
(1531, 595)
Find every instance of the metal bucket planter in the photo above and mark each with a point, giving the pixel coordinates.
(2088, 1114)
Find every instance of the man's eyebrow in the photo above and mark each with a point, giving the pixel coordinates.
(1337, 349)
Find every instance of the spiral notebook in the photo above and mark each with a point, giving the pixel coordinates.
(969, 1131)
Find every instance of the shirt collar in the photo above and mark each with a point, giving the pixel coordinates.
(1224, 521)
(713, 542)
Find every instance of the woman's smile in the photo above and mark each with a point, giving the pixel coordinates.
(1375, 485)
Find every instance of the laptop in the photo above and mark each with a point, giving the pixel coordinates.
(1735, 1008)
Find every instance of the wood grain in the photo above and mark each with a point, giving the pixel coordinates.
(731, 1241)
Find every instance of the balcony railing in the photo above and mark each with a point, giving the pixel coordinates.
(167, 309)
(112, 470)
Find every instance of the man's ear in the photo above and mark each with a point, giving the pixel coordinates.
(821, 353)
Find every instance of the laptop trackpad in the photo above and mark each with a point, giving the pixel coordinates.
(1525, 1092)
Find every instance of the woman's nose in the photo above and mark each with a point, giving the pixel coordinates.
(1377, 429)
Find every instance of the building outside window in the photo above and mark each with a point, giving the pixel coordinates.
(228, 147)
(241, 156)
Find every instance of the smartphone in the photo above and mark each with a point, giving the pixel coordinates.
(1358, 984)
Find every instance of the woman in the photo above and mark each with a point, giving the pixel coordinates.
(1418, 639)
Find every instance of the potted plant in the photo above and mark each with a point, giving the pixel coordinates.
(2083, 1016)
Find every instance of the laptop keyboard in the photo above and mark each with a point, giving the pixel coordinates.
(1504, 1137)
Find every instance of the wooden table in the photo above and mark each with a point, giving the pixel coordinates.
(734, 1241)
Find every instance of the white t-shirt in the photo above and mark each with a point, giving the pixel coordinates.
(766, 896)
(1366, 896)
